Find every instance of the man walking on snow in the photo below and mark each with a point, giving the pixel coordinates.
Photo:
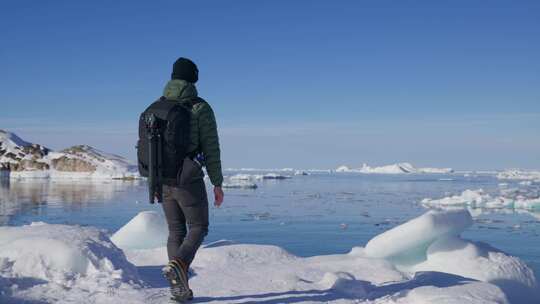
(186, 205)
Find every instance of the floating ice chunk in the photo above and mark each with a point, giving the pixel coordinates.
(239, 185)
(343, 169)
(272, 176)
(529, 204)
(435, 170)
(467, 197)
(510, 198)
(399, 168)
(146, 230)
(241, 177)
(408, 242)
(516, 174)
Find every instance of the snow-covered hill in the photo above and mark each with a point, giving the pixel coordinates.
(21, 159)
(398, 168)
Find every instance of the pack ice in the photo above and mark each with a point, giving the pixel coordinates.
(421, 261)
(509, 198)
(398, 168)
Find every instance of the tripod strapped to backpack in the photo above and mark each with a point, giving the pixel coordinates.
(155, 163)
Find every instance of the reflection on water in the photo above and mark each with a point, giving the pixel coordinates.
(20, 196)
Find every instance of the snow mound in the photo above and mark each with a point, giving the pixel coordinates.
(475, 260)
(409, 241)
(146, 230)
(510, 198)
(41, 259)
(431, 242)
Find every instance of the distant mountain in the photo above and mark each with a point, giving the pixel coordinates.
(21, 159)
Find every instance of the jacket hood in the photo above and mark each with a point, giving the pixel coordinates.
(179, 89)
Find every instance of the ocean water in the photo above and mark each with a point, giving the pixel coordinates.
(307, 215)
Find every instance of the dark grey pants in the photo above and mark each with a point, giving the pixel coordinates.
(186, 211)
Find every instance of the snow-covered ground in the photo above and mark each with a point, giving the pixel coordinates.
(422, 261)
(399, 168)
(22, 160)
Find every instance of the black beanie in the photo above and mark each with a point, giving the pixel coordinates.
(186, 70)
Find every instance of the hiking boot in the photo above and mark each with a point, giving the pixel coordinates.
(176, 273)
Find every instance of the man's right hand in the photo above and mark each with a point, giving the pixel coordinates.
(218, 196)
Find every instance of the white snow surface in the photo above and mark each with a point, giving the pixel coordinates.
(65, 264)
(398, 168)
(10, 142)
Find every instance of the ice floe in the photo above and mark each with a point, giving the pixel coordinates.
(516, 174)
(509, 198)
(240, 184)
(398, 168)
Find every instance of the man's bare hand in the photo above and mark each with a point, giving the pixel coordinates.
(218, 196)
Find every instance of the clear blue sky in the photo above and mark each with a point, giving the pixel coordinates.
(293, 83)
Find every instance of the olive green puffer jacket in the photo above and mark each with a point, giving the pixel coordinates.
(204, 135)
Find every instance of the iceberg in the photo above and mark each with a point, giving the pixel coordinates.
(389, 169)
(398, 168)
(516, 174)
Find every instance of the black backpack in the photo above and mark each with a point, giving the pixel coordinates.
(164, 129)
